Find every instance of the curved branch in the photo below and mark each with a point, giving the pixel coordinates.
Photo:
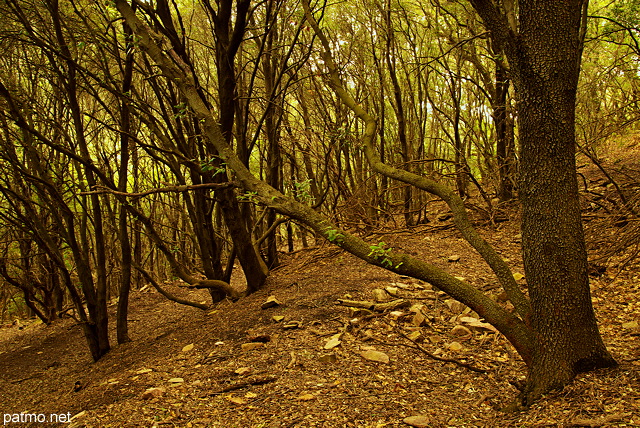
(507, 323)
(455, 203)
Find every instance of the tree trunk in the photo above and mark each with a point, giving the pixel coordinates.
(567, 340)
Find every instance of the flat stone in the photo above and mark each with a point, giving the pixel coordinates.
(251, 346)
(419, 421)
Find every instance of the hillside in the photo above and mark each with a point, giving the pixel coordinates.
(206, 379)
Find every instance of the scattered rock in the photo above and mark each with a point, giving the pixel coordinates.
(292, 325)
(153, 393)
(462, 332)
(415, 336)
(393, 291)
(379, 295)
(477, 324)
(261, 338)
(419, 319)
(396, 314)
(328, 358)
(377, 356)
(333, 342)
(251, 346)
(455, 306)
(270, 302)
(419, 421)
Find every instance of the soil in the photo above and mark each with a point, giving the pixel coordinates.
(451, 376)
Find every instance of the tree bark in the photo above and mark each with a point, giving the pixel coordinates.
(544, 57)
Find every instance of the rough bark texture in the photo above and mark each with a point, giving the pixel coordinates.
(544, 57)
(568, 340)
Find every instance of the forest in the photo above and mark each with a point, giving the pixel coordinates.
(191, 154)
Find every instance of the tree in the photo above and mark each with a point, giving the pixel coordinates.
(554, 328)
(544, 52)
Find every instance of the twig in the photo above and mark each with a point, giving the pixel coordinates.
(250, 382)
(427, 353)
(169, 189)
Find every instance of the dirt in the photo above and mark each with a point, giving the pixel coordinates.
(206, 379)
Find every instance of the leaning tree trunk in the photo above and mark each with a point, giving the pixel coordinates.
(567, 340)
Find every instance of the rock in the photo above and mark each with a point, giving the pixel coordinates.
(292, 325)
(246, 347)
(477, 324)
(328, 358)
(379, 295)
(392, 291)
(461, 332)
(153, 393)
(377, 356)
(454, 258)
(306, 397)
(419, 319)
(455, 306)
(415, 336)
(270, 302)
(278, 318)
(333, 342)
(262, 338)
(419, 421)
(396, 314)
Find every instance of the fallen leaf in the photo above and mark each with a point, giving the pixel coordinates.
(455, 346)
(188, 348)
(236, 400)
(243, 371)
(377, 356)
(306, 397)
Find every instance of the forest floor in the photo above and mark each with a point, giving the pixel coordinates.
(310, 362)
(188, 368)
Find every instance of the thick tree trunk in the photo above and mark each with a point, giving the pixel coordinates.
(567, 340)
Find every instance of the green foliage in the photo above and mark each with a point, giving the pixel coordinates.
(302, 191)
(335, 236)
(180, 110)
(249, 197)
(382, 254)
